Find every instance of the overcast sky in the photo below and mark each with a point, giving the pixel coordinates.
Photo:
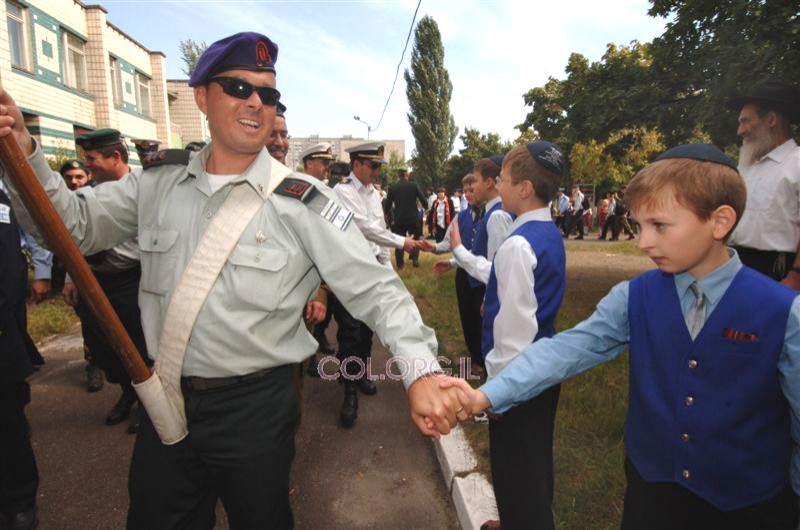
(338, 58)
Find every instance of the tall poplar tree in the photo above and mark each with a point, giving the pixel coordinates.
(428, 89)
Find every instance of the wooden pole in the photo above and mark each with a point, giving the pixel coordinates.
(60, 242)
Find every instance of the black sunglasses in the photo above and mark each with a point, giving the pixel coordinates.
(373, 165)
(241, 89)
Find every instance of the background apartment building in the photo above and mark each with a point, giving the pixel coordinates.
(71, 71)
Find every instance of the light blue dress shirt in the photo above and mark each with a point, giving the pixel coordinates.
(606, 333)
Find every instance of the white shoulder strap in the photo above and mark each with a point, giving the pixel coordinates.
(209, 257)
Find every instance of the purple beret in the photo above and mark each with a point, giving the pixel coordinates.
(243, 51)
(548, 155)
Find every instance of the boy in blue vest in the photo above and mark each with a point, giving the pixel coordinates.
(523, 293)
(492, 228)
(714, 360)
(469, 296)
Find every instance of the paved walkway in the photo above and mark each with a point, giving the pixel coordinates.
(380, 474)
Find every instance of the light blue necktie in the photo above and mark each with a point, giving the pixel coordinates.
(696, 316)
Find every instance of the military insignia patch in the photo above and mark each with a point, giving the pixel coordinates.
(167, 157)
(296, 188)
(262, 54)
(306, 193)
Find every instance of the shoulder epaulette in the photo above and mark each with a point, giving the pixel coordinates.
(308, 194)
(167, 157)
(297, 189)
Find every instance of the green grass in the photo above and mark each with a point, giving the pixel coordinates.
(49, 318)
(591, 414)
(592, 244)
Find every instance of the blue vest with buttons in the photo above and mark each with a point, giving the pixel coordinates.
(466, 227)
(548, 287)
(710, 414)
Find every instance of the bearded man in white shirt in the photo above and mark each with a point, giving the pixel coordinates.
(768, 235)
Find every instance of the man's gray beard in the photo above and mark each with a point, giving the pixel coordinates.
(755, 148)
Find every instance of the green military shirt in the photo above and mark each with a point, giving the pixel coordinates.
(252, 318)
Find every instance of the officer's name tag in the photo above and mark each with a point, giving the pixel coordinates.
(336, 215)
(5, 214)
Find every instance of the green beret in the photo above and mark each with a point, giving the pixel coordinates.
(71, 164)
(99, 139)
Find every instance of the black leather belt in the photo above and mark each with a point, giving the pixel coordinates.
(208, 383)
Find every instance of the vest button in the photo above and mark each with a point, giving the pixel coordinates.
(209, 215)
(689, 400)
(692, 363)
(686, 473)
(685, 437)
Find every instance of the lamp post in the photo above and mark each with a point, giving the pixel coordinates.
(369, 127)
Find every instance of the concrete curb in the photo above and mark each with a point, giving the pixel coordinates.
(472, 494)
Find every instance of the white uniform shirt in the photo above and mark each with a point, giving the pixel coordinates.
(771, 219)
(515, 325)
(365, 203)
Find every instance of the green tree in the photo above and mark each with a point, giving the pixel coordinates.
(190, 53)
(61, 155)
(612, 163)
(712, 50)
(428, 90)
(476, 146)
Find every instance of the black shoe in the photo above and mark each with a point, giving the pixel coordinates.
(349, 411)
(323, 346)
(94, 378)
(367, 386)
(122, 409)
(27, 520)
(415, 262)
(312, 369)
(134, 420)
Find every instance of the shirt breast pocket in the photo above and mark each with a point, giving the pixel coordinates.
(259, 275)
(158, 259)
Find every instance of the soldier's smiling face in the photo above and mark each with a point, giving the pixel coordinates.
(237, 126)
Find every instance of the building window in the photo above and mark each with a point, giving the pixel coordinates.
(116, 81)
(143, 84)
(16, 17)
(74, 60)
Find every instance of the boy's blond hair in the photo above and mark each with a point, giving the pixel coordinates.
(700, 186)
(486, 169)
(520, 166)
(469, 178)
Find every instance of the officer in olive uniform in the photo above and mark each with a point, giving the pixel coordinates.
(118, 271)
(236, 383)
(19, 478)
(76, 176)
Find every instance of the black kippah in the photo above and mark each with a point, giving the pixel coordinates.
(702, 152)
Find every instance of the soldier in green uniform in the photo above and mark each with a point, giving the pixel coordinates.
(239, 401)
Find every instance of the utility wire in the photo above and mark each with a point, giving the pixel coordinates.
(397, 73)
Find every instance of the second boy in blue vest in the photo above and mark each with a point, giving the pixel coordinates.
(524, 291)
(714, 360)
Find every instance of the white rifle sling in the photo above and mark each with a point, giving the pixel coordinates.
(161, 394)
